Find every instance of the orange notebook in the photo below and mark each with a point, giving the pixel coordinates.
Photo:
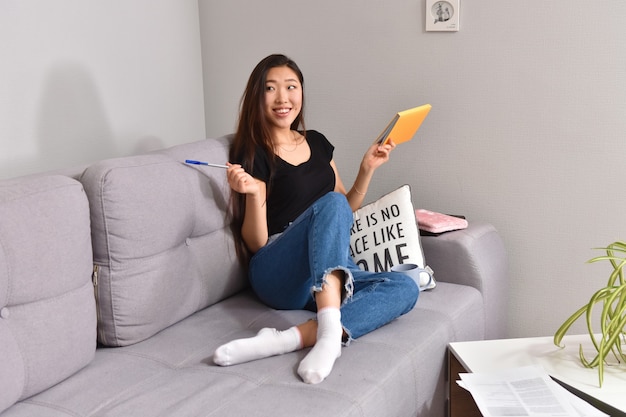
(404, 125)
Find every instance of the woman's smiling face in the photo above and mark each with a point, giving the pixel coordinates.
(283, 97)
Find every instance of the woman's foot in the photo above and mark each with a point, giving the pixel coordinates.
(268, 342)
(318, 363)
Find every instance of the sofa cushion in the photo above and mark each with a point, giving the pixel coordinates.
(162, 245)
(47, 311)
(396, 371)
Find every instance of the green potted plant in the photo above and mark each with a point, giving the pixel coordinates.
(612, 299)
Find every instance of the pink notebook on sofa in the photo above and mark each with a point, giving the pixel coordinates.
(434, 222)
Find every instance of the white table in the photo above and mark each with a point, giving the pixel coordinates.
(562, 364)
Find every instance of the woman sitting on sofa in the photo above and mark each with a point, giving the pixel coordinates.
(291, 220)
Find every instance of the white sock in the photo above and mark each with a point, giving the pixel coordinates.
(268, 342)
(318, 363)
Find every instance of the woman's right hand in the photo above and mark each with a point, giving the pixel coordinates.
(240, 181)
(254, 228)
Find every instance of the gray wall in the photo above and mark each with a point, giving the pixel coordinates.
(86, 80)
(527, 129)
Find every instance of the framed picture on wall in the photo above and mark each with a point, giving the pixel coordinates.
(442, 15)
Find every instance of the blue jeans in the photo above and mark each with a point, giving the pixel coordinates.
(287, 271)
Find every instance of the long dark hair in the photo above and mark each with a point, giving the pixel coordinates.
(254, 132)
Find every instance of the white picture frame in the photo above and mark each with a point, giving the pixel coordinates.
(443, 15)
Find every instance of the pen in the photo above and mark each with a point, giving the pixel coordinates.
(191, 161)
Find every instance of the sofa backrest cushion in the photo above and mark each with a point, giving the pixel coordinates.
(47, 310)
(161, 239)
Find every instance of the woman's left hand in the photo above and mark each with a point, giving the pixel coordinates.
(377, 155)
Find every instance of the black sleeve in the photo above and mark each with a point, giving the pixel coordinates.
(322, 142)
(261, 168)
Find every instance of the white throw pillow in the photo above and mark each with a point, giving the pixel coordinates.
(384, 233)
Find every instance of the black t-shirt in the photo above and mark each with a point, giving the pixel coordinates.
(293, 188)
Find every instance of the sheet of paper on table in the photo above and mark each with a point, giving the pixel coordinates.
(525, 391)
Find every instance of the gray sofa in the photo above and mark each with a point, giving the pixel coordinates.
(136, 253)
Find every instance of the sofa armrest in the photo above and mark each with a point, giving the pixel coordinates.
(476, 257)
